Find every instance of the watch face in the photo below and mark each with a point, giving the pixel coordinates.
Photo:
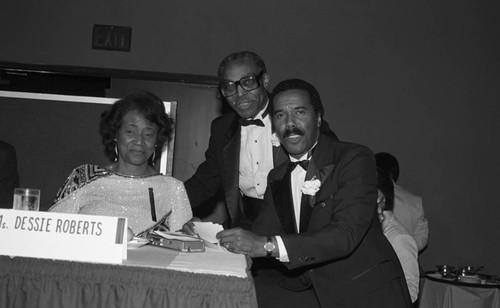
(269, 246)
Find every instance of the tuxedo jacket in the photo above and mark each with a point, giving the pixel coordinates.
(221, 166)
(341, 251)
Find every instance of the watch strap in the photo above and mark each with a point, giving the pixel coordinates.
(269, 252)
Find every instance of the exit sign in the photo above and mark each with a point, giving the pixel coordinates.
(111, 37)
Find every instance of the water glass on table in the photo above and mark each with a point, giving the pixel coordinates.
(27, 199)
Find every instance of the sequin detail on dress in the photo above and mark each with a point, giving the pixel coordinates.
(111, 194)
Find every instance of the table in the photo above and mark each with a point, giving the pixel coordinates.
(150, 277)
(449, 294)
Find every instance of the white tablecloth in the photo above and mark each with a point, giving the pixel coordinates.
(212, 261)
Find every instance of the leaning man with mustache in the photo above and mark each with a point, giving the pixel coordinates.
(240, 151)
(318, 233)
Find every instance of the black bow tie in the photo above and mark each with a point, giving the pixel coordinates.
(302, 163)
(245, 122)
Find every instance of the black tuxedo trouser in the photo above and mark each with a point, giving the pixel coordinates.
(270, 294)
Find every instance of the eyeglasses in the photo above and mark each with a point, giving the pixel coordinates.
(248, 83)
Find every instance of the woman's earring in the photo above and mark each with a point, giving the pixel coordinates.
(154, 155)
(116, 151)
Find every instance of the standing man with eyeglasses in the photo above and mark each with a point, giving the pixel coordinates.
(240, 153)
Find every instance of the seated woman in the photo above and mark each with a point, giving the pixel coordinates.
(401, 241)
(133, 132)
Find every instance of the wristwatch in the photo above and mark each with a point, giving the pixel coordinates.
(269, 247)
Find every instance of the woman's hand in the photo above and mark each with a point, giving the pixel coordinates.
(188, 227)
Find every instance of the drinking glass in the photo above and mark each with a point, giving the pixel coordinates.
(447, 271)
(27, 199)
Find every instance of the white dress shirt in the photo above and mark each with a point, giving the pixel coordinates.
(409, 211)
(256, 157)
(298, 176)
(406, 249)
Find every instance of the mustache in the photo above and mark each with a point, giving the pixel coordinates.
(242, 99)
(293, 131)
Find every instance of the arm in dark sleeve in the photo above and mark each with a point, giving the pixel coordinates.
(206, 181)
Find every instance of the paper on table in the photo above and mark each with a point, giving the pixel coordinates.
(207, 231)
(176, 236)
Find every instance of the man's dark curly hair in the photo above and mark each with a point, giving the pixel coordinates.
(386, 187)
(299, 84)
(147, 104)
(389, 163)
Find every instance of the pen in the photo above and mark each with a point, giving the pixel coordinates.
(152, 203)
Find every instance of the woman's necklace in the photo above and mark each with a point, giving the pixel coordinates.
(114, 169)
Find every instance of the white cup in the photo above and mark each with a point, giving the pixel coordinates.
(27, 199)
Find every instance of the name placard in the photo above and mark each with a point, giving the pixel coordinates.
(72, 237)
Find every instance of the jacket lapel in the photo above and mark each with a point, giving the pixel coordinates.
(319, 168)
(280, 156)
(305, 212)
(307, 201)
(230, 171)
(283, 201)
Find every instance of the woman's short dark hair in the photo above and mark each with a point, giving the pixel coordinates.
(387, 188)
(299, 84)
(147, 104)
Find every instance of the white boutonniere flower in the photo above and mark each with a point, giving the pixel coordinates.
(275, 141)
(311, 187)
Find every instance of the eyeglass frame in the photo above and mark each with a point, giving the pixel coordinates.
(238, 83)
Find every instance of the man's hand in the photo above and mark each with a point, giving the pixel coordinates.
(188, 227)
(242, 241)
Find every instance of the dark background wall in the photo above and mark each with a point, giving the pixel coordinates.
(418, 79)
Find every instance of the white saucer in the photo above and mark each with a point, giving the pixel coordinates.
(137, 242)
(469, 279)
